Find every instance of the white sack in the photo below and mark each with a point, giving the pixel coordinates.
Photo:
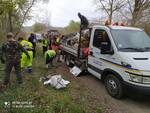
(57, 81)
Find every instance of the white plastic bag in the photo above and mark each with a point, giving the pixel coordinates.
(57, 81)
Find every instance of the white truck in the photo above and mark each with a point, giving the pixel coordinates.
(118, 55)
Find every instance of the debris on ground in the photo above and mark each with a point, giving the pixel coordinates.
(45, 78)
(55, 81)
(75, 71)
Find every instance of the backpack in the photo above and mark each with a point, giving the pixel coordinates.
(12, 49)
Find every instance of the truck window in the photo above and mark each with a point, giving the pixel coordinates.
(97, 38)
(137, 40)
(100, 36)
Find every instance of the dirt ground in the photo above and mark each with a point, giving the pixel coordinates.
(96, 91)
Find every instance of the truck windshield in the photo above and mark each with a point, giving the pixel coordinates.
(131, 40)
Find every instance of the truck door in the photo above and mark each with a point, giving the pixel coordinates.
(95, 63)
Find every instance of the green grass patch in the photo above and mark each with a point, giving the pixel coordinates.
(45, 99)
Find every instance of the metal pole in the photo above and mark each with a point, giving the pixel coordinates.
(79, 46)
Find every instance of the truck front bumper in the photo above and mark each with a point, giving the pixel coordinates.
(136, 89)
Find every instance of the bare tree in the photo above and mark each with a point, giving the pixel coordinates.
(110, 6)
(139, 9)
(26, 8)
(27, 11)
(16, 11)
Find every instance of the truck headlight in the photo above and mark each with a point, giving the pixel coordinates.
(146, 80)
(139, 79)
(135, 78)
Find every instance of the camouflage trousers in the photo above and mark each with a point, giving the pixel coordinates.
(17, 66)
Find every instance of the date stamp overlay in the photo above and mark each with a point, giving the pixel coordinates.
(18, 104)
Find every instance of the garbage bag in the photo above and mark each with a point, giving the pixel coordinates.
(57, 81)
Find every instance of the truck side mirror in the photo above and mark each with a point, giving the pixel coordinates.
(105, 48)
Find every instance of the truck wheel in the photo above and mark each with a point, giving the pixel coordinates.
(114, 86)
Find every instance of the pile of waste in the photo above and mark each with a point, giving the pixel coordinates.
(55, 81)
(73, 39)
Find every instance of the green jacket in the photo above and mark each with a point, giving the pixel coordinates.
(45, 42)
(27, 45)
(50, 53)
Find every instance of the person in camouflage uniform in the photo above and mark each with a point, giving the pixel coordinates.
(11, 51)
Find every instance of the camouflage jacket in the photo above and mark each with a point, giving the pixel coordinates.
(11, 50)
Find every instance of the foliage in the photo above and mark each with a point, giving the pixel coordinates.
(38, 27)
(13, 13)
(72, 27)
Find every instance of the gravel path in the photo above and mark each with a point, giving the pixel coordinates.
(130, 104)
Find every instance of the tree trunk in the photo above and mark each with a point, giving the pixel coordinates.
(134, 17)
(110, 19)
(10, 27)
(136, 11)
(111, 11)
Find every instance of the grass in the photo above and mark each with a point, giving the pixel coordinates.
(45, 99)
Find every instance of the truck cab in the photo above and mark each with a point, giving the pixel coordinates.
(120, 57)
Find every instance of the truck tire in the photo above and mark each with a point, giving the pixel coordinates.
(114, 86)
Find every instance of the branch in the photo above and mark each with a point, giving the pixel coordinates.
(145, 4)
(118, 6)
(27, 11)
(130, 7)
(127, 18)
(104, 7)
